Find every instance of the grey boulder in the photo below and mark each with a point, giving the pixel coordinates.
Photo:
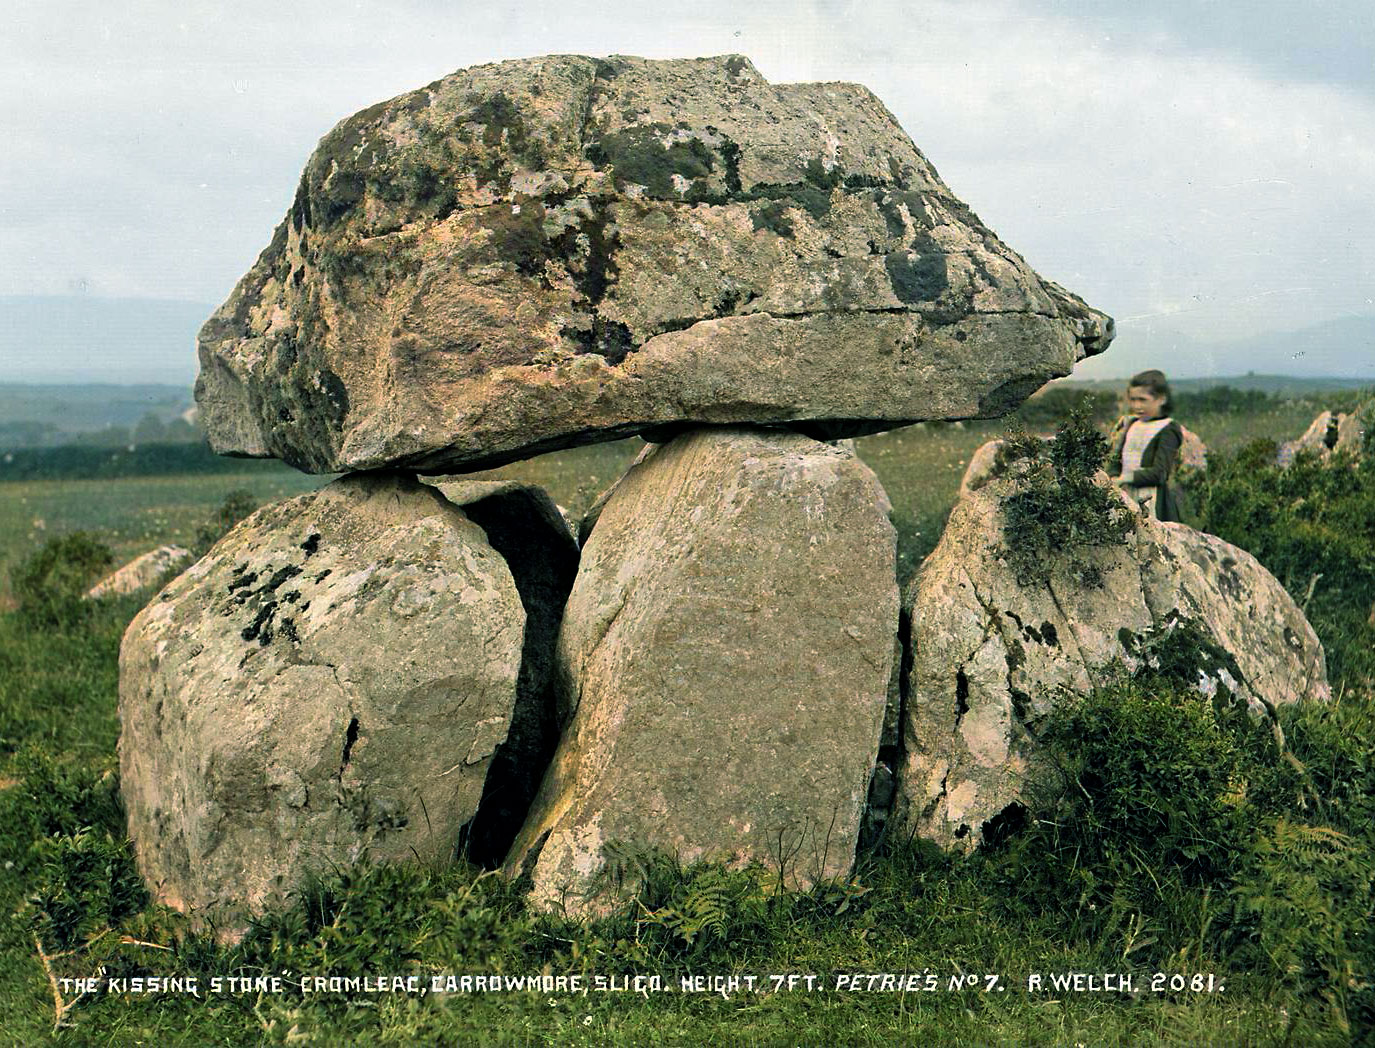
(724, 661)
(993, 657)
(330, 681)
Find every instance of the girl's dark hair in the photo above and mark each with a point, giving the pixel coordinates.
(1154, 381)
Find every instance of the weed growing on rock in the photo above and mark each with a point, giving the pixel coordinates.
(1058, 515)
(237, 505)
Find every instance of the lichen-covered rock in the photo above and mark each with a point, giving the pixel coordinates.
(1193, 452)
(553, 251)
(331, 679)
(140, 572)
(1330, 433)
(725, 659)
(993, 656)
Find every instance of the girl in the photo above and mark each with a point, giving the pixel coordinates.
(1145, 445)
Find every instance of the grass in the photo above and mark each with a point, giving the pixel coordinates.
(132, 514)
(910, 911)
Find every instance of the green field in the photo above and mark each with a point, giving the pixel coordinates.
(919, 466)
(911, 911)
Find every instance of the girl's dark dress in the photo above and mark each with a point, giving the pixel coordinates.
(1157, 463)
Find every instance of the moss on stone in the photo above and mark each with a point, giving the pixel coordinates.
(638, 155)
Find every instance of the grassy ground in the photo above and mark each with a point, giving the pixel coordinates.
(132, 514)
(914, 912)
(920, 466)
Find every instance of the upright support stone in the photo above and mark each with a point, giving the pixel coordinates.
(725, 660)
(330, 680)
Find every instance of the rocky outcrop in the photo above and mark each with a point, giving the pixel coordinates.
(1331, 433)
(725, 659)
(331, 680)
(140, 572)
(992, 657)
(559, 250)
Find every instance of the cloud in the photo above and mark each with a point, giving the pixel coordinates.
(1169, 181)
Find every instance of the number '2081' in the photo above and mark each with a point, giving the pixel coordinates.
(1162, 982)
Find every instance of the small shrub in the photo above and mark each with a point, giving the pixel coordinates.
(360, 917)
(1059, 515)
(1223, 400)
(1303, 910)
(87, 882)
(54, 798)
(1313, 526)
(1051, 406)
(1150, 809)
(49, 584)
(237, 505)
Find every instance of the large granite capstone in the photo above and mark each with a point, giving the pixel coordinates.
(553, 251)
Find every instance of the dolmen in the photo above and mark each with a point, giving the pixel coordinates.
(539, 254)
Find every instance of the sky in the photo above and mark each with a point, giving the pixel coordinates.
(1204, 171)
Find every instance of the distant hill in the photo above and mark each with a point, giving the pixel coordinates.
(76, 339)
(1344, 346)
(34, 416)
(1277, 385)
(80, 408)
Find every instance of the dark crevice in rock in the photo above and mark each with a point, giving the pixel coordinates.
(289, 571)
(934, 803)
(260, 629)
(883, 782)
(961, 696)
(830, 429)
(350, 737)
(1005, 825)
(1021, 709)
(526, 878)
(883, 790)
(904, 673)
(525, 528)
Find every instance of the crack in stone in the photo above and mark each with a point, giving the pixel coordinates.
(687, 323)
(350, 737)
(1078, 649)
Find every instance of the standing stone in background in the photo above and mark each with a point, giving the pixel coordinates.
(331, 679)
(1328, 433)
(725, 659)
(553, 251)
(992, 657)
(140, 572)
